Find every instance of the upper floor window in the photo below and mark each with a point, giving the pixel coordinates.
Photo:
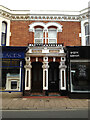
(4, 33)
(45, 32)
(38, 35)
(52, 35)
(87, 36)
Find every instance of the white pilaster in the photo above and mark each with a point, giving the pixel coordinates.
(45, 67)
(28, 74)
(62, 74)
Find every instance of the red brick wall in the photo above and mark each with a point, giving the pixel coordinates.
(20, 35)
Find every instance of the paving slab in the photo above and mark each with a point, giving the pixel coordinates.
(43, 103)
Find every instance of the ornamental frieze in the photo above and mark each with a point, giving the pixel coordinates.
(54, 51)
(42, 17)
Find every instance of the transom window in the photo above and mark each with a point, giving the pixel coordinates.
(87, 36)
(38, 35)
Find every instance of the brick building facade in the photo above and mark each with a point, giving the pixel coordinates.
(35, 53)
(69, 36)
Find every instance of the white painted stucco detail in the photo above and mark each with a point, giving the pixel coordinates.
(62, 70)
(45, 26)
(28, 67)
(8, 30)
(83, 41)
(45, 67)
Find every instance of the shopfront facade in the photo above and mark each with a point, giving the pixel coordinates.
(12, 69)
(78, 70)
(33, 69)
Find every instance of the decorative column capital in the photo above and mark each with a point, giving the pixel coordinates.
(28, 65)
(45, 65)
(62, 65)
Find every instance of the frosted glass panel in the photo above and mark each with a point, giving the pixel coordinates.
(38, 41)
(3, 27)
(52, 41)
(38, 33)
(52, 34)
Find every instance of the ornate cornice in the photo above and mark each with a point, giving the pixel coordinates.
(27, 15)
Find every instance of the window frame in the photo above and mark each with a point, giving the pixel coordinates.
(4, 34)
(54, 38)
(87, 35)
(72, 71)
(37, 38)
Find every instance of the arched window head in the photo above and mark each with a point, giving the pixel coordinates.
(4, 33)
(52, 35)
(38, 35)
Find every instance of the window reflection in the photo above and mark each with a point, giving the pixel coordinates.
(10, 75)
(80, 76)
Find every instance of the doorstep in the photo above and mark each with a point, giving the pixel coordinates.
(41, 95)
(45, 96)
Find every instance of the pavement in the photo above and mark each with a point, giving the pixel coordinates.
(42, 103)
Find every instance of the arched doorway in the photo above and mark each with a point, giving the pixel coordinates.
(53, 77)
(37, 77)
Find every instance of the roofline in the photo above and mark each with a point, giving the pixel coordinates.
(46, 10)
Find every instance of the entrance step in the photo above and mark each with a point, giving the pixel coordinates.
(54, 94)
(45, 97)
(36, 94)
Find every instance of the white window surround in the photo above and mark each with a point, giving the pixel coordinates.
(83, 40)
(46, 30)
(45, 26)
(8, 30)
(32, 26)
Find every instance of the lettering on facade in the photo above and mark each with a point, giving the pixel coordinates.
(12, 55)
(74, 54)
